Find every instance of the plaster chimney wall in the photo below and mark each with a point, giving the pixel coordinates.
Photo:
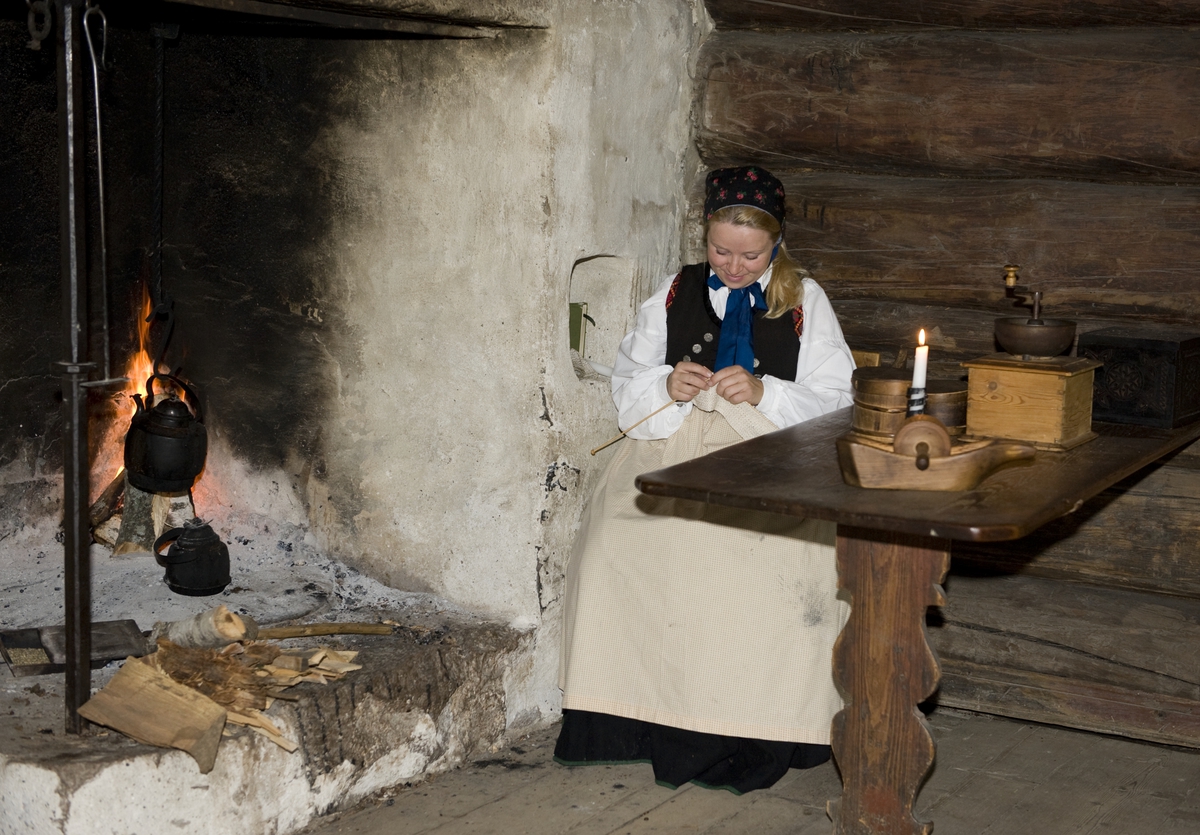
(457, 450)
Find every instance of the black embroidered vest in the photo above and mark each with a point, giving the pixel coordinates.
(694, 331)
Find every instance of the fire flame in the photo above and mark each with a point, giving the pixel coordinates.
(141, 364)
(138, 369)
(921, 337)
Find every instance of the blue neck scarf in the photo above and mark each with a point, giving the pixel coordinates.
(736, 346)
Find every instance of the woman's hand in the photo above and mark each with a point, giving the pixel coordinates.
(687, 380)
(737, 385)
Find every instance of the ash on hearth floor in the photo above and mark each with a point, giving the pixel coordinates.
(429, 695)
(278, 575)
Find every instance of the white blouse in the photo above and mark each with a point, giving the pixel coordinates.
(822, 384)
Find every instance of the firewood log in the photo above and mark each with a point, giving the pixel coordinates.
(108, 501)
(143, 703)
(214, 628)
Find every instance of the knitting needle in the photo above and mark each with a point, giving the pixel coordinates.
(639, 423)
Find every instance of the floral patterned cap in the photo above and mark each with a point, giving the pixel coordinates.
(744, 186)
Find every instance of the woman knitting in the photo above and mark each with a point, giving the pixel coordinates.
(700, 638)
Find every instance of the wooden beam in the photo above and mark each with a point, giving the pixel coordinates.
(438, 18)
(1113, 636)
(937, 14)
(1096, 104)
(1096, 250)
(341, 20)
(1058, 700)
(1143, 534)
(1100, 659)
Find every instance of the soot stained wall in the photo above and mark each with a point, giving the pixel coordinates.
(249, 202)
(29, 315)
(247, 199)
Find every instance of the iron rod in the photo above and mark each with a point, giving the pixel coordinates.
(77, 579)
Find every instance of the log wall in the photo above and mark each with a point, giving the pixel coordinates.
(982, 14)
(924, 146)
(1086, 104)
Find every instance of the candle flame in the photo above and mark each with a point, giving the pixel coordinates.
(921, 337)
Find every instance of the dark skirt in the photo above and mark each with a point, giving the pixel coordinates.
(678, 756)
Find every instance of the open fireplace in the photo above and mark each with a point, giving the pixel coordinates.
(205, 242)
(368, 221)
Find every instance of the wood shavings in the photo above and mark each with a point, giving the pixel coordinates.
(258, 722)
(227, 680)
(343, 655)
(282, 742)
(259, 652)
(339, 667)
(245, 678)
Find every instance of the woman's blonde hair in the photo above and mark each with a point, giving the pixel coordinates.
(785, 291)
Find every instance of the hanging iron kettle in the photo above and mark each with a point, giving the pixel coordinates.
(197, 562)
(166, 444)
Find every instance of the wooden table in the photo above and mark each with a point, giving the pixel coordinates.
(893, 551)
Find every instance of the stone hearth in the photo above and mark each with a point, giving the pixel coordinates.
(428, 697)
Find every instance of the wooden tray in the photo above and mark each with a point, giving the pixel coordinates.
(872, 463)
(40, 651)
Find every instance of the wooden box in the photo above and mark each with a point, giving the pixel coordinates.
(1151, 374)
(1045, 401)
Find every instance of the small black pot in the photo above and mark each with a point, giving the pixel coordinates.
(198, 561)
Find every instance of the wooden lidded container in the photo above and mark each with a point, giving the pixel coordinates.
(881, 400)
(1044, 400)
(1150, 376)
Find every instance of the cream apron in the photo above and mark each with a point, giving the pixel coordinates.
(710, 619)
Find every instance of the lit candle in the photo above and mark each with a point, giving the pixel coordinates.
(921, 362)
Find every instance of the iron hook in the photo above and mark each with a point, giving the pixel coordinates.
(88, 12)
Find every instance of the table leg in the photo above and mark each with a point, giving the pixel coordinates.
(885, 668)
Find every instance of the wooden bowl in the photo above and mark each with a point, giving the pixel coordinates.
(884, 423)
(1035, 337)
(881, 401)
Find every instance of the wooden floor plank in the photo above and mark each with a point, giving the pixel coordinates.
(537, 806)
(965, 748)
(1072, 782)
(1165, 802)
(993, 776)
(689, 809)
(774, 815)
(1073, 795)
(811, 786)
(643, 800)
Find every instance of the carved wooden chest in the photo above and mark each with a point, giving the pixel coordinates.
(1151, 374)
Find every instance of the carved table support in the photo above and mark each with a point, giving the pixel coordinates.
(885, 668)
